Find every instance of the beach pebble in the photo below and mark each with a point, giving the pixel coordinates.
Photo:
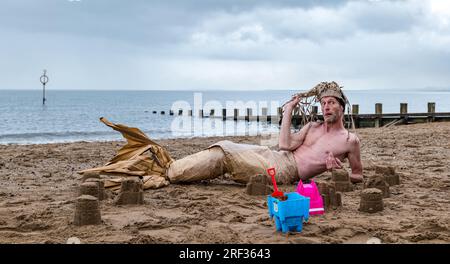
(373, 240)
(73, 240)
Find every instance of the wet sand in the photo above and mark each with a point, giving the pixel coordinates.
(39, 185)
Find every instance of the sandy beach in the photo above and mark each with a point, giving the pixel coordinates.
(39, 185)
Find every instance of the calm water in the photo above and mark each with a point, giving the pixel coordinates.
(74, 115)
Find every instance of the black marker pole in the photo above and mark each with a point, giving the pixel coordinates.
(44, 81)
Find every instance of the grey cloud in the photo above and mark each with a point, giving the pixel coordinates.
(321, 23)
(138, 21)
(385, 16)
(118, 44)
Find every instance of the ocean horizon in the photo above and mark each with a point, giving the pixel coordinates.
(73, 115)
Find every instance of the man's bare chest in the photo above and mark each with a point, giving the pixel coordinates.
(323, 143)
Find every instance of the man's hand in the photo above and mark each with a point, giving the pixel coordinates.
(292, 103)
(356, 178)
(332, 162)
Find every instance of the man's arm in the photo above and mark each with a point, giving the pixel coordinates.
(354, 158)
(288, 140)
(296, 139)
(285, 141)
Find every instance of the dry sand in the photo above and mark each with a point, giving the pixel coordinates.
(39, 185)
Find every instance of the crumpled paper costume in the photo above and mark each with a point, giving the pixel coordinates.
(141, 156)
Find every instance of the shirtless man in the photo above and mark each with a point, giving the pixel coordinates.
(318, 147)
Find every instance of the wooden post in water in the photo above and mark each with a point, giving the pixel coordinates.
(403, 108)
(189, 112)
(355, 109)
(263, 114)
(378, 112)
(355, 112)
(264, 111)
(200, 113)
(431, 111)
(279, 111)
(314, 112)
(180, 112)
(224, 114)
(211, 113)
(235, 114)
(404, 112)
(249, 113)
(279, 114)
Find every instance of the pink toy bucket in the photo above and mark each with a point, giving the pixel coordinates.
(310, 190)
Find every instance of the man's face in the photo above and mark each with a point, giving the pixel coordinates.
(331, 109)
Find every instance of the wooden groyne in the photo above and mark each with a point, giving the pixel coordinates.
(378, 119)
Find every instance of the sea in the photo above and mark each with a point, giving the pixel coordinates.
(71, 116)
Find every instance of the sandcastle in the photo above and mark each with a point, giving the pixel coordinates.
(131, 192)
(389, 174)
(101, 187)
(87, 211)
(341, 180)
(259, 185)
(371, 200)
(92, 190)
(89, 188)
(331, 198)
(93, 187)
(378, 182)
(90, 175)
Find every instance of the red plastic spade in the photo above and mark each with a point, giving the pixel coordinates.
(276, 193)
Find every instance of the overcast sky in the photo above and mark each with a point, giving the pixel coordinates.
(224, 44)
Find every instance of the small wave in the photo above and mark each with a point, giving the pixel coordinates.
(96, 136)
(71, 136)
(54, 134)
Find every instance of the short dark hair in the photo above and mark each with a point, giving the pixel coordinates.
(341, 102)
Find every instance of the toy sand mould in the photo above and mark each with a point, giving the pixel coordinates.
(290, 213)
